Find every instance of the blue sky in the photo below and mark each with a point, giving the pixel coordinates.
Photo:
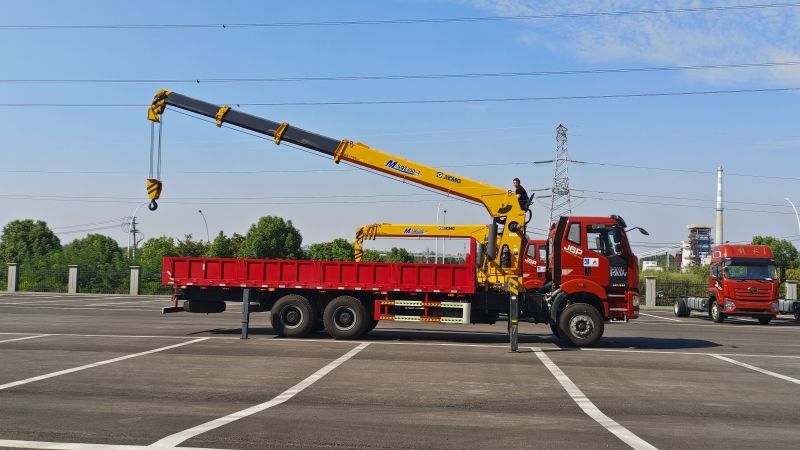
(76, 166)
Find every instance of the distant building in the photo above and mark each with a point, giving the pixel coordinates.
(651, 265)
(696, 250)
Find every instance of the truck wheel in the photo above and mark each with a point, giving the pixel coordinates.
(554, 329)
(716, 313)
(580, 324)
(371, 325)
(764, 320)
(293, 316)
(345, 318)
(679, 308)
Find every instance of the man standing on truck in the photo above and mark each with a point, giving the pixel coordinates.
(522, 195)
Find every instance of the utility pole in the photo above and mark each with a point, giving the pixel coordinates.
(560, 204)
(718, 235)
(132, 247)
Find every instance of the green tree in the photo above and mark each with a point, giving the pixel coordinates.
(272, 237)
(24, 240)
(190, 248)
(786, 255)
(94, 251)
(221, 247)
(371, 256)
(399, 255)
(153, 252)
(236, 243)
(338, 250)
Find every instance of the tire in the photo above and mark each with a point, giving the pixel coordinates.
(293, 316)
(371, 325)
(680, 309)
(345, 318)
(764, 320)
(716, 313)
(554, 329)
(203, 307)
(797, 317)
(581, 325)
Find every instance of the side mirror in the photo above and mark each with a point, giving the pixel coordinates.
(641, 230)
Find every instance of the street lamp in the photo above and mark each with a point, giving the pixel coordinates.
(795, 212)
(208, 237)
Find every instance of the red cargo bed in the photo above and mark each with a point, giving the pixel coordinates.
(320, 275)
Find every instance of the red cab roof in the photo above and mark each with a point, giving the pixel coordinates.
(741, 251)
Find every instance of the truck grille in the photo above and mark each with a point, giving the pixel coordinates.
(748, 294)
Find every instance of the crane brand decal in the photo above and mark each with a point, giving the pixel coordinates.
(445, 228)
(573, 250)
(413, 231)
(447, 177)
(392, 164)
(619, 272)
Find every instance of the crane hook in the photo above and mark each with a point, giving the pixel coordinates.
(153, 205)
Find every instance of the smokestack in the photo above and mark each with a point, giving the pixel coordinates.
(718, 235)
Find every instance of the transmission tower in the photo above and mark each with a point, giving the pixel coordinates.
(560, 201)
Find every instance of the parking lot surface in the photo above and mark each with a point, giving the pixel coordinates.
(85, 372)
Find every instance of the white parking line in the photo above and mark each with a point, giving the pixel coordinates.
(7, 443)
(177, 438)
(589, 408)
(659, 317)
(76, 307)
(758, 369)
(26, 338)
(99, 363)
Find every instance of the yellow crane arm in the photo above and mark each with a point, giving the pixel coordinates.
(369, 232)
(502, 204)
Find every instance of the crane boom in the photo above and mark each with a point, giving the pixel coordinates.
(369, 232)
(502, 204)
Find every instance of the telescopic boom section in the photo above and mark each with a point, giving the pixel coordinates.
(502, 204)
(387, 230)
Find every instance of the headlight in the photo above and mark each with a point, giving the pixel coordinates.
(775, 306)
(729, 304)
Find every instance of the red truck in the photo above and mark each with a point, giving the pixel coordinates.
(742, 281)
(534, 264)
(591, 273)
(596, 281)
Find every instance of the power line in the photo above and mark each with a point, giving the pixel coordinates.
(424, 101)
(198, 80)
(434, 20)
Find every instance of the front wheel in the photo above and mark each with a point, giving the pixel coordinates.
(716, 313)
(581, 325)
(345, 317)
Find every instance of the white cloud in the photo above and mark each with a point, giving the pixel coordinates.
(687, 38)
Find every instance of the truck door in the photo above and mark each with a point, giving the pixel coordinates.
(606, 259)
(534, 264)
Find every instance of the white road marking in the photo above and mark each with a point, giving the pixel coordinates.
(7, 443)
(97, 364)
(589, 408)
(177, 438)
(77, 307)
(26, 338)
(758, 369)
(659, 317)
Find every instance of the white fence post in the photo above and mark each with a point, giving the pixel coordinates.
(13, 277)
(134, 284)
(650, 291)
(72, 279)
(791, 289)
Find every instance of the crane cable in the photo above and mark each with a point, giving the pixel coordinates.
(154, 183)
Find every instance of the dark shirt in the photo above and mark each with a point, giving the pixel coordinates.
(523, 197)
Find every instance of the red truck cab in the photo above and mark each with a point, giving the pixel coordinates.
(534, 264)
(594, 262)
(743, 281)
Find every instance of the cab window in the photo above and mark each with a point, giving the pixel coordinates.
(542, 253)
(574, 233)
(531, 251)
(604, 240)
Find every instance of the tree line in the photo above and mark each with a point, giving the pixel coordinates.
(104, 265)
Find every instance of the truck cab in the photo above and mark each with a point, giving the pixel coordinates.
(593, 263)
(743, 281)
(534, 264)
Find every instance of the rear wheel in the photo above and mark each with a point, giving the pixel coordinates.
(716, 313)
(293, 316)
(580, 324)
(680, 309)
(345, 317)
(764, 320)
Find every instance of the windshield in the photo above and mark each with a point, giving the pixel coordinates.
(750, 272)
(605, 240)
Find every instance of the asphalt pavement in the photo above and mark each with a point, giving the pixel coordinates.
(85, 372)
